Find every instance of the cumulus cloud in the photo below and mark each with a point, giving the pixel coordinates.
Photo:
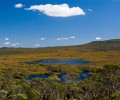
(15, 44)
(19, 5)
(66, 38)
(43, 38)
(7, 39)
(37, 45)
(98, 38)
(62, 10)
(72, 37)
(90, 10)
(6, 43)
(62, 39)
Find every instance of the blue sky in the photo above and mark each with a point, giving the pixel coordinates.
(43, 23)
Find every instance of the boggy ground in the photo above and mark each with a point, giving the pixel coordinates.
(103, 82)
(98, 53)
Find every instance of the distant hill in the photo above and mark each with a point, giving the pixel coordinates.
(113, 44)
(107, 45)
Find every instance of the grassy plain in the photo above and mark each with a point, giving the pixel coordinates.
(98, 53)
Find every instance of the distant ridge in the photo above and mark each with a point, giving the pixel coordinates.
(107, 41)
(107, 45)
(113, 44)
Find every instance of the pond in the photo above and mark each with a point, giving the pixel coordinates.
(63, 77)
(31, 77)
(56, 61)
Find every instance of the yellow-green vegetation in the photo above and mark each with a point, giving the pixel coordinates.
(98, 53)
(103, 82)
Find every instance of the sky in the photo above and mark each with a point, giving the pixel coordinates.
(47, 23)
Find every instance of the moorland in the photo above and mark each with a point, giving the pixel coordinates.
(103, 82)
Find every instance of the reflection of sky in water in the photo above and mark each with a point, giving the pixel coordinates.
(55, 61)
(31, 77)
(82, 76)
(63, 77)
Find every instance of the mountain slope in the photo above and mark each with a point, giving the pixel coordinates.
(107, 45)
(113, 44)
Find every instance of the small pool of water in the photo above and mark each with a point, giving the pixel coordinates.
(31, 77)
(63, 78)
(81, 76)
(56, 61)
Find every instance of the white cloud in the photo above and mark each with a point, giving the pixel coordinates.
(43, 38)
(37, 45)
(62, 10)
(15, 44)
(19, 5)
(6, 43)
(66, 38)
(90, 10)
(98, 38)
(7, 39)
(72, 37)
(62, 39)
